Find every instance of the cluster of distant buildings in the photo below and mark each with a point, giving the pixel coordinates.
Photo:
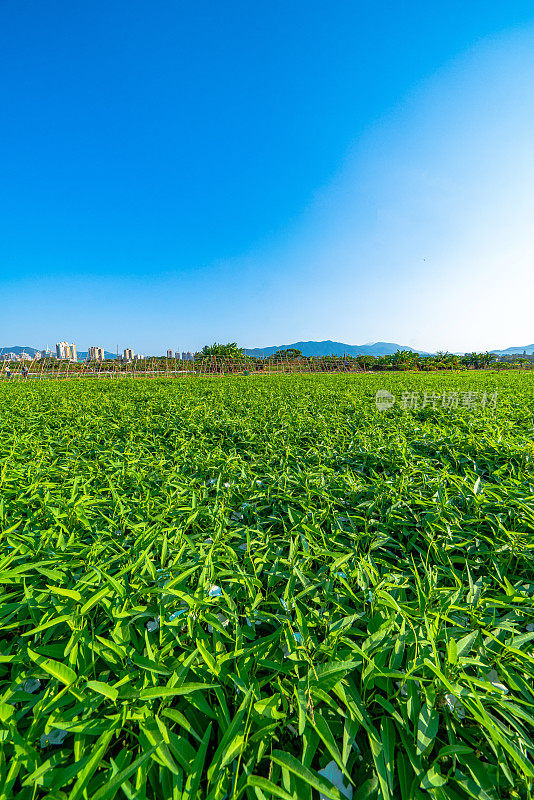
(98, 354)
(185, 356)
(516, 356)
(18, 357)
(66, 351)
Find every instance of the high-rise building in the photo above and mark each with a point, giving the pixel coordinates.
(66, 351)
(169, 353)
(96, 354)
(128, 354)
(177, 355)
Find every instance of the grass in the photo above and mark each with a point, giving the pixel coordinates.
(217, 588)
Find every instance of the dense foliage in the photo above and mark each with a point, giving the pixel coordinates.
(217, 587)
(230, 350)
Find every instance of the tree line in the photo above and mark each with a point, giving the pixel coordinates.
(401, 360)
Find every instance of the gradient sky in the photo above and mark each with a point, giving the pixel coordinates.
(178, 173)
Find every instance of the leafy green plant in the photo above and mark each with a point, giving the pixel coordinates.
(264, 587)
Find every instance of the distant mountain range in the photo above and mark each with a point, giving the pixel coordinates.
(512, 351)
(18, 350)
(326, 348)
(330, 348)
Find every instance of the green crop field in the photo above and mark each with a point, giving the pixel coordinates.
(264, 587)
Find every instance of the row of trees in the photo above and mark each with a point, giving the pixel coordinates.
(408, 360)
(401, 360)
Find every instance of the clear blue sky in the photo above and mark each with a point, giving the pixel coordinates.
(176, 173)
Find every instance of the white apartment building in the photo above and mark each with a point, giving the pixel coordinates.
(66, 351)
(128, 354)
(96, 354)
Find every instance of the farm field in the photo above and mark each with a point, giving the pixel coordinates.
(265, 587)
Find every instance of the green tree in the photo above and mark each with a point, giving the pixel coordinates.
(230, 350)
(405, 359)
(488, 358)
(366, 362)
(478, 360)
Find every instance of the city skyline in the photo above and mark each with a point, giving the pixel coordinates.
(65, 351)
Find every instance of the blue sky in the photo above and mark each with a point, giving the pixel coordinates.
(178, 173)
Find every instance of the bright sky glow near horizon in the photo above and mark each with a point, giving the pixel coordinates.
(175, 174)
